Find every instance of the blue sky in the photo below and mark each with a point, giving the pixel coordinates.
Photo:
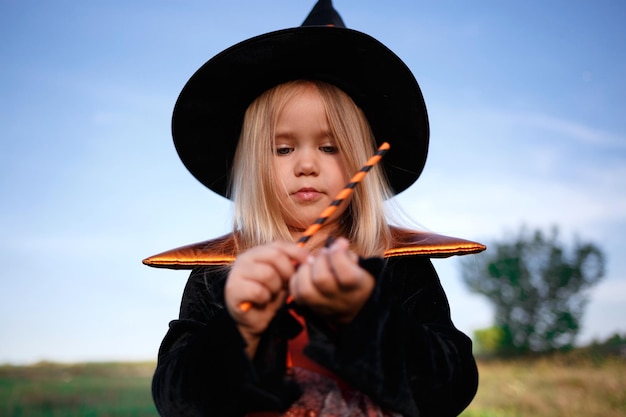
(527, 104)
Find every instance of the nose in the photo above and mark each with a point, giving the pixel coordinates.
(307, 163)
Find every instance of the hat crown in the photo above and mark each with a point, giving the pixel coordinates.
(324, 14)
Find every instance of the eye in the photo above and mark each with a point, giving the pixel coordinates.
(329, 149)
(283, 151)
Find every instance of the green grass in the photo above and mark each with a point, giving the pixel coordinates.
(557, 386)
(79, 390)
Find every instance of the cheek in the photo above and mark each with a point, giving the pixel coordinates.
(282, 167)
(342, 175)
(279, 174)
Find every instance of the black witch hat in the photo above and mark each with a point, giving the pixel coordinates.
(209, 112)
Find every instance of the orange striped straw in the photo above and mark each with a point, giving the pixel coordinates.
(332, 207)
(343, 194)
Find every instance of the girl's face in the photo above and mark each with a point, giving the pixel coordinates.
(307, 162)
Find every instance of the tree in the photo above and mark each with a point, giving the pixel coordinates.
(489, 341)
(537, 287)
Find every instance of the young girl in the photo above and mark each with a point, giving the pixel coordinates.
(356, 322)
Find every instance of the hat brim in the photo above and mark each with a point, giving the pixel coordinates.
(209, 112)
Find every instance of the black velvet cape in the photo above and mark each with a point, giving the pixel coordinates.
(402, 350)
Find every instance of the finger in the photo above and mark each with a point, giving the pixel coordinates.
(323, 276)
(257, 293)
(261, 273)
(274, 259)
(300, 281)
(284, 258)
(293, 251)
(273, 265)
(305, 287)
(344, 265)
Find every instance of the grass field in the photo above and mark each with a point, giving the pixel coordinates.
(560, 386)
(556, 387)
(78, 390)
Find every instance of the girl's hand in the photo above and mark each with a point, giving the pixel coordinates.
(260, 277)
(332, 284)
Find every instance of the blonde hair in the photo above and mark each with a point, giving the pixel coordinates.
(257, 215)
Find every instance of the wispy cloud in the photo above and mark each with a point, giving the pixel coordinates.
(572, 129)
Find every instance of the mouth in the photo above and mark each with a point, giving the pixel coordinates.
(307, 194)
